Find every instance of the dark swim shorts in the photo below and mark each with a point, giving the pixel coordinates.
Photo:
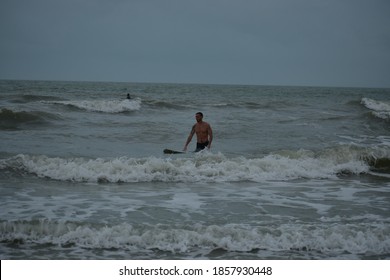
(201, 146)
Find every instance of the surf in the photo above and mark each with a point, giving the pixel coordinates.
(327, 238)
(11, 119)
(206, 167)
(102, 106)
(380, 109)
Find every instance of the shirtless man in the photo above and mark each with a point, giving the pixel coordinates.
(204, 134)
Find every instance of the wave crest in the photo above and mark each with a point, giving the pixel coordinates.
(103, 106)
(329, 238)
(11, 119)
(203, 167)
(380, 109)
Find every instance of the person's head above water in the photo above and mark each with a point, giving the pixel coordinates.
(199, 116)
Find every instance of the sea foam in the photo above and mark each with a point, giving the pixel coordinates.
(381, 109)
(204, 167)
(331, 239)
(103, 106)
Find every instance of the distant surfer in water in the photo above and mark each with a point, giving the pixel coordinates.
(204, 134)
(128, 96)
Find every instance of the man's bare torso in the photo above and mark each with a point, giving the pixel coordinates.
(202, 131)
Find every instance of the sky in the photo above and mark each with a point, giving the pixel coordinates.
(257, 42)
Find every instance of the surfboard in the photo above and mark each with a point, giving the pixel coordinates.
(169, 151)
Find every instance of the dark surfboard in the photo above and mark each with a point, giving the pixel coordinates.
(169, 151)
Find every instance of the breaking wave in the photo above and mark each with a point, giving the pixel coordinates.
(332, 239)
(205, 167)
(11, 119)
(380, 109)
(103, 106)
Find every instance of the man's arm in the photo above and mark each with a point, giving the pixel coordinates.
(189, 138)
(210, 132)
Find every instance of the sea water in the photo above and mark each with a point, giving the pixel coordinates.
(293, 172)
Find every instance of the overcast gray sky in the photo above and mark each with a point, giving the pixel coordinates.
(263, 42)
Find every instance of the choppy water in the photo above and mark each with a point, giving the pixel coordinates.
(294, 172)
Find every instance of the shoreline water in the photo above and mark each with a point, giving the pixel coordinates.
(294, 172)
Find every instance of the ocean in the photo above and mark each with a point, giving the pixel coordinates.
(293, 172)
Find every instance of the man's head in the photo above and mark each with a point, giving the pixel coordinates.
(199, 116)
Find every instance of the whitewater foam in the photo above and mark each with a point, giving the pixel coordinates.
(103, 106)
(205, 167)
(327, 238)
(381, 109)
